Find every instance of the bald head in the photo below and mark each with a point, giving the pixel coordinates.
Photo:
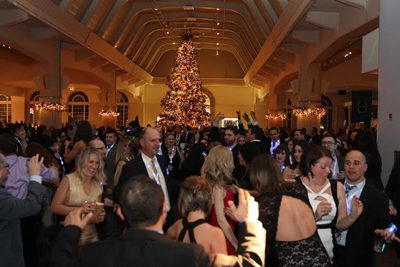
(99, 145)
(355, 165)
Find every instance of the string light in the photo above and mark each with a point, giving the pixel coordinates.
(108, 113)
(275, 116)
(50, 103)
(48, 106)
(316, 112)
(184, 103)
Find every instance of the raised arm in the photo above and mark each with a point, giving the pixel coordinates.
(13, 208)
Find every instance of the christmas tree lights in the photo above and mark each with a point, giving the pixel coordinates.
(184, 103)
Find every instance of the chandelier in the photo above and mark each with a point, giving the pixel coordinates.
(50, 103)
(108, 113)
(275, 116)
(317, 112)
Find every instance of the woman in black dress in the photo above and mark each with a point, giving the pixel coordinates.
(292, 238)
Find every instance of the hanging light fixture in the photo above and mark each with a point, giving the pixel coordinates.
(50, 103)
(275, 116)
(316, 112)
(108, 111)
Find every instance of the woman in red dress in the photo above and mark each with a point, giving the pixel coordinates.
(217, 169)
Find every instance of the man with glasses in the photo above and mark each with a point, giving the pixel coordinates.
(337, 167)
(12, 209)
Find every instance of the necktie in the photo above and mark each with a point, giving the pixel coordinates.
(154, 169)
(348, 188)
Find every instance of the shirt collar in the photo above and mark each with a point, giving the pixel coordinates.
(230, 147)
(359, 186)
(146, 158)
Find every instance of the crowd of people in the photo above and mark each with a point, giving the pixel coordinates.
(87, 196)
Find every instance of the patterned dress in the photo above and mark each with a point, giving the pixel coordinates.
(308, 252)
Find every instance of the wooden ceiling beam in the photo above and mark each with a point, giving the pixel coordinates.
(292, 13)
(52, 15)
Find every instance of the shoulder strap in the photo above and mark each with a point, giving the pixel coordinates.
(189, 226)
(332, 224)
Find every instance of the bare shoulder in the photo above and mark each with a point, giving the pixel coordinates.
(174, 229)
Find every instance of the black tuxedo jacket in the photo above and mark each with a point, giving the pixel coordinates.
(137, 167)
(144, 248)
(110, 165)
(360, 235)
(186, 138)
(268, 144)
(239, 170)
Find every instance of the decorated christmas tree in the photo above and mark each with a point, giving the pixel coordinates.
(184, 103)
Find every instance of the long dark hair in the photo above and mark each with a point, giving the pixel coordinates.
(265, 176)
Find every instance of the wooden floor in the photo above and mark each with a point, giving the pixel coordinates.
(387, 258)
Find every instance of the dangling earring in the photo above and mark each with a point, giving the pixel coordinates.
(309, 175)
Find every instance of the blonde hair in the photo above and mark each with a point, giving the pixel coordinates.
(121, 154)
(219, 166)
(83, 160)
(195, 195)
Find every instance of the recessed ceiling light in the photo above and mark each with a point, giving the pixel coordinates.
(217, 8)
(217, 33)
(218, 23)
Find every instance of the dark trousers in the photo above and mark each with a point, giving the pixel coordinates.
(339, 256)
(112, 226)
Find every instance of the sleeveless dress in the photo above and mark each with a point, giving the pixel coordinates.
(189, 227)
(307, 252)
(326, 224)
(214, 222)
(76, 197)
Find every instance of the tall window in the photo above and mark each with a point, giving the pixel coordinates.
(122, 109)
(33, 116)
(327, 120)
(210, 100)
(207, 103)
(78, 106)
(5, 108)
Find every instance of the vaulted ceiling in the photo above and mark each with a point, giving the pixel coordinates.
(134, 36)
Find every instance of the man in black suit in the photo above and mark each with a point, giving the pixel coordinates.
(231, 135)
(354, 247)
(144, 209)
(150, 164)
(337, 167)
(111, 146)
(186, 135)
(273, 141)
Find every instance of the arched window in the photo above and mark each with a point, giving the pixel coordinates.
(289, 114)
(327, 120)
(210, 100)
(122, 109)
(33, 116)
(207, 103)
(78, 106)
(5, 108)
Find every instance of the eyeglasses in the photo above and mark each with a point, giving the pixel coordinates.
(328, 143)
(5, 165)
